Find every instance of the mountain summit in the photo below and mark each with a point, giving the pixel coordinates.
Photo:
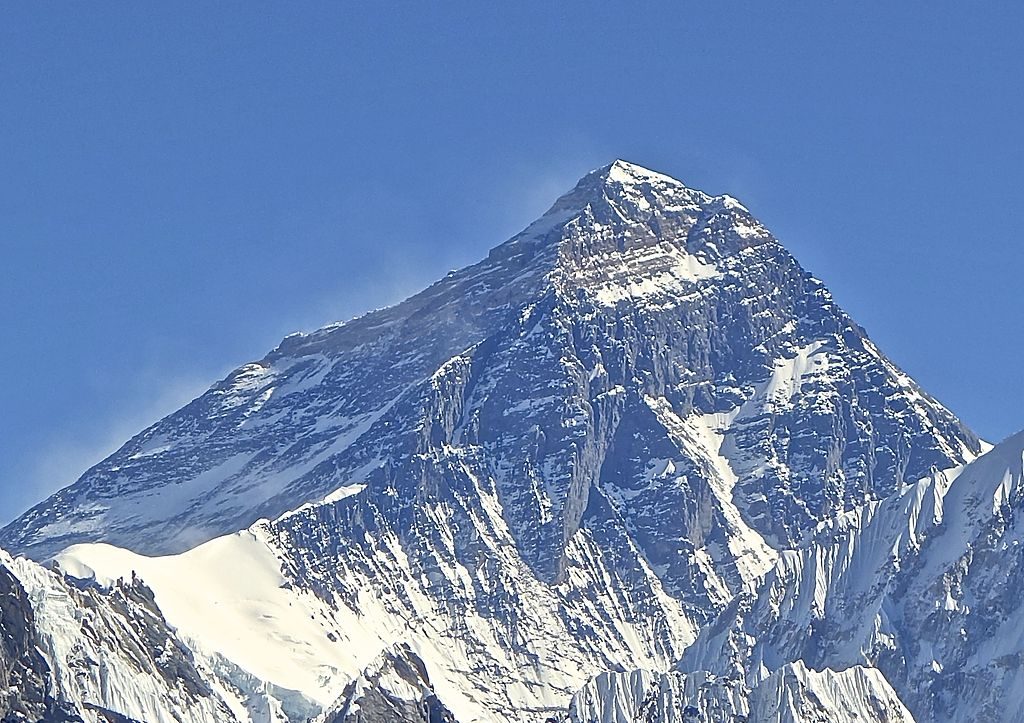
(564, 459)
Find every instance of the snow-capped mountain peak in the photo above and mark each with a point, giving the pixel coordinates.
(564, 459)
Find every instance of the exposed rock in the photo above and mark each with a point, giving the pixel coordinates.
(95, 655)
(395, 689)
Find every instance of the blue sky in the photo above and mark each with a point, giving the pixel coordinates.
(183, 186)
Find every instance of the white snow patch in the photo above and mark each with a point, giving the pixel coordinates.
(228, 596)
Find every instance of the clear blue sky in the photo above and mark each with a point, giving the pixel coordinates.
(183, 185)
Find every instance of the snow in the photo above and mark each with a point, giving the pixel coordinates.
(793, 694)
(703, 439)
(921, 405)
(917, 574)
(344, 492)
(628, 173)
(790, 373)
(648, 273)
(236, 603)
(240, 613)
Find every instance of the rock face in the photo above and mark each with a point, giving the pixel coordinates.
(563, 460)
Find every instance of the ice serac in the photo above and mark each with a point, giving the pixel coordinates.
(24, 673)
(561, 460)
(791, 694)
(925, 586)
(70, 654)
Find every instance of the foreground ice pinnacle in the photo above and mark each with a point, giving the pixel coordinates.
(563, 460)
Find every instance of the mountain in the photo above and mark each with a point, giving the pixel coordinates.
(566, 459)
(645, 286)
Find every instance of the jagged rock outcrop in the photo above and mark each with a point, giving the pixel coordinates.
(396, 688)
(632, 288)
